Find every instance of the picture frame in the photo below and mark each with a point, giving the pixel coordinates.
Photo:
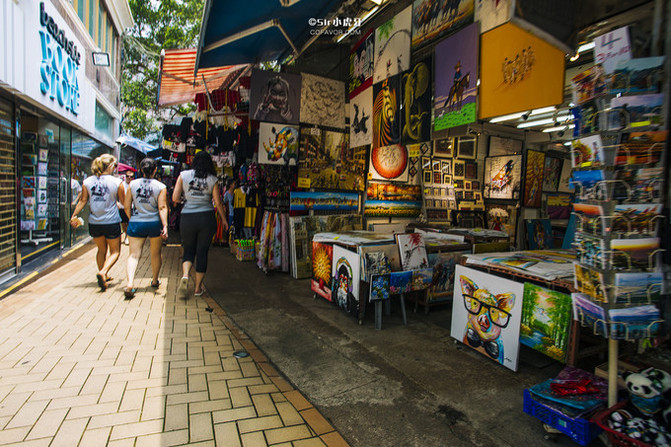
(477, 196)
(426, 163)
(468, 195)
(428, 177)
(459, 169)
(428, 203)
(471, 170)
(475, 184)
(503, 146)
(437, 178)
(451, 204)
(443, 192)
(467, 185)
(459, 184)
(435, 165)
(459, 195)
(44, 154)
(443, 148)
(467, 148)
(447, 179)
(446, 166)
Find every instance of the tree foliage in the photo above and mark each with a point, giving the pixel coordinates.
(162, 24)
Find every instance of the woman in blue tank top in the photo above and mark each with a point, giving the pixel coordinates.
(198, 224)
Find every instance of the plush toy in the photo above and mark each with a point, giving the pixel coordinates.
(650, 392)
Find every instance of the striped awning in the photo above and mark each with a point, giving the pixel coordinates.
(177, 83)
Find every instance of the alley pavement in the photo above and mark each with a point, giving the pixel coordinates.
(81, 367)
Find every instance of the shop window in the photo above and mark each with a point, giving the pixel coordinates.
(104, 121)
(79, 6)
(7, 188)
(90, 23)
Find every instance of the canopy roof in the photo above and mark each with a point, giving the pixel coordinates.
(135, 143)
(179, 85)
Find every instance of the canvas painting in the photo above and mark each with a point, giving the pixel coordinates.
(432, 19)
(551, 173)
(456, 75)
(275, 97)
(518, 72)
(346, 276)
(587, 151)
(361, 64)
(416, 99)
(421, 279)
(278, 144)
(565, 177)
(322, 261)
(327, 161)
(361, 118)
(502, 218)
(533, 179)
(558, 206)
(504, 146)
(392, 46)
(322, 101)
(392, 200)
(400, 282)
(412, 250)
(443, 265)
(444, 147)
(546, 321)
(386, 112)
(379, 287)
(539, 234)
(486, 314)
(301, 202)
(503, 177)
(492, 14)
(389, 163)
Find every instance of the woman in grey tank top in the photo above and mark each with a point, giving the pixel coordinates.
(146, 205)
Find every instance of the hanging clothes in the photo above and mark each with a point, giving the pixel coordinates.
(273, 249)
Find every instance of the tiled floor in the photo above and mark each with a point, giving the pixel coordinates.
(89, 368)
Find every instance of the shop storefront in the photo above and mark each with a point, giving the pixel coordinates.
(54, 122)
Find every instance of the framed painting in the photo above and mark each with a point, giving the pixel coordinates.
(504, 146)
(470, 170)
(459, 169)
(552, 173)
(426, 163)
(467, 148)
(503, 177)
(392, 46)
(443, 148)
(437, 178)
(479, 296)
(428, 177)
(446, 166)
(533, 179)
(275, 97)
(345, 279)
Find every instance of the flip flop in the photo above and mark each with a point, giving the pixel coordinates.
(156, 284)
(101, 282)
(129, 293)
(183, 285)
(198, 293)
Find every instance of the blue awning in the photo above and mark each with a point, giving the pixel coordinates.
(258, 30)
(135, 143)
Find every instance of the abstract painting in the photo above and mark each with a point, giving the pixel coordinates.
(539, 234)
(565, 178)
(346, 275)
(389, 163)
(503, 177)
(416, 99)
(432, 19)
(456, 75)
(361, 118)
(412, 250)
(400, 282)
(278, 144)
(551, 173)
(322, 261)
(386, 112)
(533, 179)
(518, 72)
(275, 97)
(486, 314)
(392, 46)
(322, 101)
(361, 65)
(546, 320)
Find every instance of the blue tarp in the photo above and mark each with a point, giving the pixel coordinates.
(226, 18)
(135, 143)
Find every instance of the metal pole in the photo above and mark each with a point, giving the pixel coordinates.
(612, 371)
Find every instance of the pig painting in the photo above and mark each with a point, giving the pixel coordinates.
(484, 307)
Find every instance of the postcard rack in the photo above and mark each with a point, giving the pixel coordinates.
(617, 330)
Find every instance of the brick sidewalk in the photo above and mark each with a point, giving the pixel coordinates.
(81, 367)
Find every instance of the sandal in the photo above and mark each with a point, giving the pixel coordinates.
(183, 285)
(198, 293)
(129, 293)
(101, 282)
(156, 284)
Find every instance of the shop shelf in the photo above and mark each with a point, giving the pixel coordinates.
(580, 430)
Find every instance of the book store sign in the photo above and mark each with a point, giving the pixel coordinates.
(60, 64)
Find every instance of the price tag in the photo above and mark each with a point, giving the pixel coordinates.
(303, 182)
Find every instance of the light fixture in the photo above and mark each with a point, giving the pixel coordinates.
(377, 2)
(514, 116)
(568, 143)
(361, 22)
(541, 122)
(586, 46)
(101, 59)
(556, 128)
(525, 116)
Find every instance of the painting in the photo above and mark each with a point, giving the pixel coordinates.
(444, 148)
(587, 151)
(379, 287)
(416, 99)
(503, 177)
(518, 72)
(634, 253)
(42, 210)
(361, 64)
(459, 169)
(44, 154)
(636, 111)
(504, 146)
(361, 118)
(588, 85)
(502, 218)
(389, 163)
(467, 148)
(42, 182)
(386, 118)
(327, 161)
(412, 251)
(301, 202)
(546, 321)
(642, 218)
(470, 170)
(41, 196)
(400, 282)
(558, 206)
(322, 261)
(539, 234)
(641, 147)
(346, 276)
(275, 97)
(642, 75)
(428, 177)
(486, 314)
(42, 169)
(392, 200)
(278, 144)
(533, 179)
(639, 288)
(455, 98)
(590, 282)
(421, 279)
(392, 46)
(551, 173)
(322, 101)
(28, 182)
(491, 14)
(565, 177)
(432, 19)
(443, 265)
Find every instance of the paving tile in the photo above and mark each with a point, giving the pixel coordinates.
(264, 405)
(282, 384)
(132, 400)
(316, 421)
(113, 392)
(136, 429)
(113, 419)
(286, 434)
(176, 417)
(200, 427)
(289, 414)
(93, 410)
(95, 437)
(13, 435)
(70, 432)
(166, 439)
(197, 382)
(259, 423)
(218, 389)
(29, 413)
(255, 439)
(227, 434)
(12, 403)
(334, 439)
(153, 408)
(297, 400)
(209, 406)
(312, 442)
(262, 389)
(234, 414)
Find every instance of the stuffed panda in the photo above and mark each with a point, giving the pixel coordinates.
(650, 392)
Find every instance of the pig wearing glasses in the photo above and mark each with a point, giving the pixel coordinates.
(487, 315)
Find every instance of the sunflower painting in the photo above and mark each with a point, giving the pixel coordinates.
(322, 259)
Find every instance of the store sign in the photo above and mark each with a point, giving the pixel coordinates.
(611, 48)
(60, 64)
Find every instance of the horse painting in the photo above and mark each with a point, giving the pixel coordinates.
(456, 96)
